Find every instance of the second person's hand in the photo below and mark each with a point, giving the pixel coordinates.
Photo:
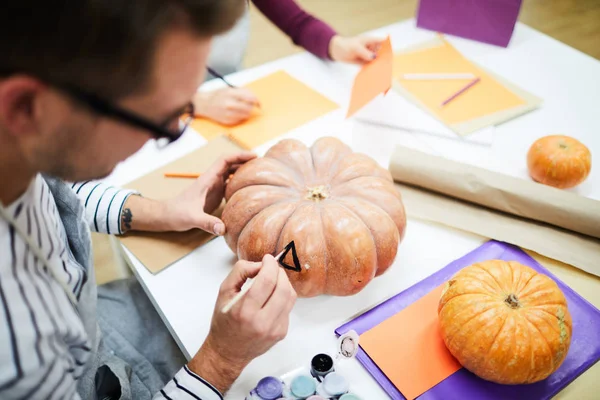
(227, 106)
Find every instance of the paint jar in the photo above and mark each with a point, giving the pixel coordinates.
(321, 365)
(303, 386)
(334, 385)
(268, 388)
(316, 397)
(349, 396)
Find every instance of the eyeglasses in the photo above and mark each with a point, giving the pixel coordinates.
(107, 109)
(103, 107)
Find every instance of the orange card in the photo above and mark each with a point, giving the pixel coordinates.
(409, 349)
(374, 78)
(488, 96)
(285, 104)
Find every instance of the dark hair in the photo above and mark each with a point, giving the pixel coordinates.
(105, 46)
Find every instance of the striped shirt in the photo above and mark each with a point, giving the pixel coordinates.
(44, 347)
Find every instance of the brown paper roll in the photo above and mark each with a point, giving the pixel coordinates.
(500, 192)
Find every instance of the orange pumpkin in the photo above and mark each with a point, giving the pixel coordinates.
(559, 161)
(341, 208)
(505, 322)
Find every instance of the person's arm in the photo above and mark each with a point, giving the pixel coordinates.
(117, 211)
(315, 35)
(304, 29)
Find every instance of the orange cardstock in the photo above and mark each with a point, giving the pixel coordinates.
(409, 349)
(486, 97)
(373, 79)
(285, 104)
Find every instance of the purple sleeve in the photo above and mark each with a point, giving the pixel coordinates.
(304, 29)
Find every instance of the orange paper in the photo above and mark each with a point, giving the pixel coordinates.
(285, 104)
(487, 97)
(409, 349)
(373, 79)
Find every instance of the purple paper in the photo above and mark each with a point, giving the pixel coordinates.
(583, 352)
(488, 21)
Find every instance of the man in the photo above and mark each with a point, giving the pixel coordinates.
(83, 85)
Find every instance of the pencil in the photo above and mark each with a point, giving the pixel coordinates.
(221, 77)
(247, 285)
(438, 76)
(217, 75)
(461, 91)
(181, 175)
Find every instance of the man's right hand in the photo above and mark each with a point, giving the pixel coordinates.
(257, 322)
(227, 106)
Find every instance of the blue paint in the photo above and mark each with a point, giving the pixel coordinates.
(349, 396)
(269, 388)
(303, 386)
(335, 384)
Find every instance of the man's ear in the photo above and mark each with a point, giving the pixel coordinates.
(18, 97)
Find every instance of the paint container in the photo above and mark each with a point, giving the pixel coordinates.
(268, 388)
(349, 396)
(321, 365)
(316, 397)
(303, 386)
(334, 385)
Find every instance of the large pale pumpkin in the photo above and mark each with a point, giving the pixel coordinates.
(559, 161)
(505, 322)
(341, 209)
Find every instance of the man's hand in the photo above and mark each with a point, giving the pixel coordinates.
(191, 208)
(256, 323)
(228, 106)
(357, 50)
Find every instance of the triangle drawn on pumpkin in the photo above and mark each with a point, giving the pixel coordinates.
(296, 267)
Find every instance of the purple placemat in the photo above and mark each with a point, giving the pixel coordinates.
(488, 21)
(583, 353)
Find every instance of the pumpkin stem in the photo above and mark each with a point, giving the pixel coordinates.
(317, 193)
(562, 146)
(512, 301)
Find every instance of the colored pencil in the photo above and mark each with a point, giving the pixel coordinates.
(437, 76)
(245, 288)
(461, 91)
(181, 175)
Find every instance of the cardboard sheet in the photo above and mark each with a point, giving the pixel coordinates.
(485, 21)
(373, 79)
(158, 250)
(408, 347)
(554, 223)
(583, 353)
(490, 102)
(285, 104)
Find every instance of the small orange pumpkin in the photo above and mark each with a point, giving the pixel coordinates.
(559, 161)
(505, 322)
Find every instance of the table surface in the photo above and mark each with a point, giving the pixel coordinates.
(184, 294)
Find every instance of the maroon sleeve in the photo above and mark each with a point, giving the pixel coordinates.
(304, 29)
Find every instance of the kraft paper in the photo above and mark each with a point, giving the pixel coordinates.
(554, 223)
(158, 250)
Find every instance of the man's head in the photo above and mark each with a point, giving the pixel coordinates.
(146, 57)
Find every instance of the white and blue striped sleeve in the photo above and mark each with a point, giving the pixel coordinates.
(103, 205)
(188, 385)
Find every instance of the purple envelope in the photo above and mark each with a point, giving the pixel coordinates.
(488, 21)
(583, 352)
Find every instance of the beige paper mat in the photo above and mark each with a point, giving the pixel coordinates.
(158, 250)
(464, 128)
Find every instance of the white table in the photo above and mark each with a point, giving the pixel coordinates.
(184, 294)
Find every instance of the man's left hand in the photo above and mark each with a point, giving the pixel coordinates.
(190, 209)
